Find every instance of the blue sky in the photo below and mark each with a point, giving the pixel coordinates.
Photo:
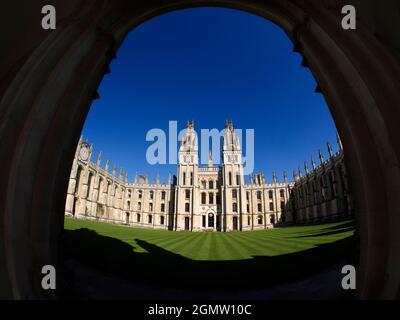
(209, 65)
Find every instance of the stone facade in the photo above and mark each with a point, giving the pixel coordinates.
(208, 197)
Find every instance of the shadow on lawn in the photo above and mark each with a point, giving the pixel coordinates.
(165, 268)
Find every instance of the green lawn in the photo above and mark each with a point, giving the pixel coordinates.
(204, 260)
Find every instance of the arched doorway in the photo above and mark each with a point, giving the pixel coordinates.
(358, 75)
(210, 220)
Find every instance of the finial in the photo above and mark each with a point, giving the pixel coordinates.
(299, 173)
(126, 177)
(114, 169)
(99, 158)
(330, 151)
(107, 165)
(136, 177)
(285, 176)
(306, 167)
(339, 141)
(313, 163)
(321, 157)
(121, 174)
(158, 178)
(294, 175)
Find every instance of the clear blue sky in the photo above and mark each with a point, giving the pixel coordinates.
(209, 65)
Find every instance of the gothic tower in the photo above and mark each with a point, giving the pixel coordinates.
(233, 192)
(186, 199)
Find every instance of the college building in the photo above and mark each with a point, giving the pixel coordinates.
(209, 197)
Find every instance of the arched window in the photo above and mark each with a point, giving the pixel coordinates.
(234, 207)
(187, 194)
(247, 195)
(128, 205)
(230, 178)
(151, 194)
(271, 206)
(162, 207)
(139, 206)
(187, 207)
(150, 218)
(203, 198)
(151, 207)
(238, 179)
(260, 219)
(138, 217)
(140, 194)
(184, 178)
(211, 198)
(211, 184)
(204, 184)
(259, 195)
(259, 207)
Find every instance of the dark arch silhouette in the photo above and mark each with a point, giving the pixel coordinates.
(48, 82)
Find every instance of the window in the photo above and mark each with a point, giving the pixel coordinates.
(259, 207)
(204, 184)
(238, 179)
(151, 195)
(191, 178)
(128, 204)
(211, 198)
(129, 193)
(272, 219)
(248, 208)
(203, 198)
(259, 195)
(230, 178)
(234, 193)
(211, 184)
(260, 219)
(184, 178)
(187, 207)
(162, 207)
(247, 195)
(234, 207)
(140, 194)
(163, 195)
(138, 217)
(204, 221)
(139, 206)
(248, 220)
(150, 218)
(271, 206)
(162, 220)
(282, 192)
(151, 207)
(187, 194)
(270, 194)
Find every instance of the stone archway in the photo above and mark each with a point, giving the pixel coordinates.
(47, 91)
